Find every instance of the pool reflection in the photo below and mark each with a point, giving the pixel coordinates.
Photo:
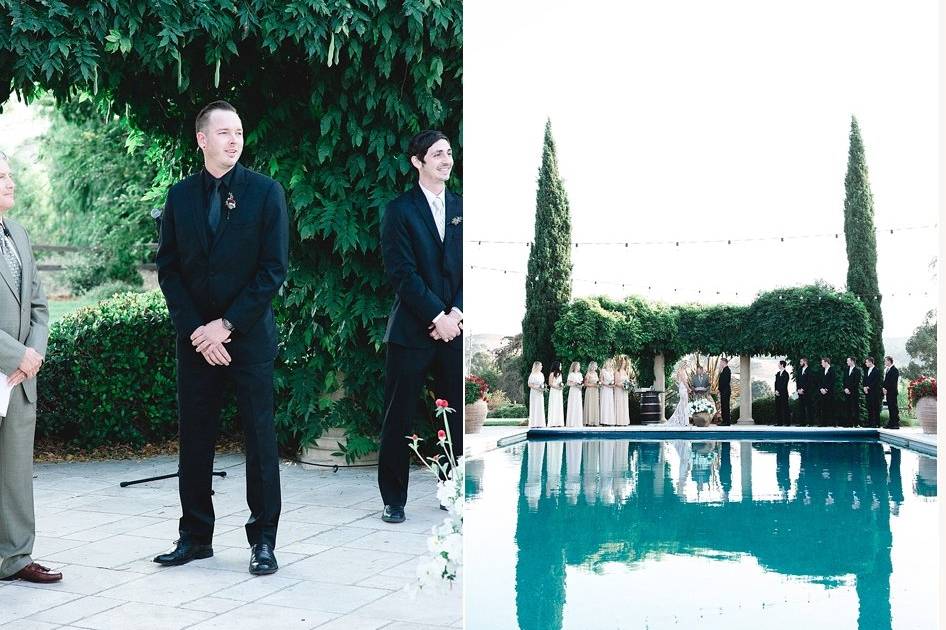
(823, 516)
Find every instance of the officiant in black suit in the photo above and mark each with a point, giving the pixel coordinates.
(781, 395)
(222, 256)
(723, 384)
(852, 394)
(422, 248)
(873, 391)
(826, 385)
(891, 392)
(805, 387)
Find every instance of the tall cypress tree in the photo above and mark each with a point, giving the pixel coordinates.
(549, 282)
(861, 238)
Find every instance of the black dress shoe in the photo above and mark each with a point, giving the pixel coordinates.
(262, 560)
(444, 507)
(393, 514)
(184, 552)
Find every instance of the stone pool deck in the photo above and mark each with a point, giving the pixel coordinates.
(490, 438)
(341, 567)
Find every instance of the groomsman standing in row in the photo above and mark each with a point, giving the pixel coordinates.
(781, 395)
(872, 391)
(826, 390)
(723, 384)
(891, 378)
(852, 398)
(804, 384)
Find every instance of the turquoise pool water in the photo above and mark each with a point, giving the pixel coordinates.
(600, 534)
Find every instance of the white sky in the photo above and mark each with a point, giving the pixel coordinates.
(700, 120)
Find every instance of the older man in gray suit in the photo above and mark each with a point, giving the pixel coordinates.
(23, 334)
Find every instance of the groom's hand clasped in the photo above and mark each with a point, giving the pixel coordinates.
(208, 340)
(447, 327)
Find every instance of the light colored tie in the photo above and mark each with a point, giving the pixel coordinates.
(10, 255)
(439, 216)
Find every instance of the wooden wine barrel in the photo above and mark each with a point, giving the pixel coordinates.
(651, 413)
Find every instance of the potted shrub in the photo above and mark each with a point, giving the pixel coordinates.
(701, 411)
(922, 395)
(475, 403)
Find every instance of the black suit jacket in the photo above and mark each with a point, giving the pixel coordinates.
(852, 381)
(724, 380)
(781, 383)
(426, 274)
(826, 381)
(872, 381)
(890, 380)
(235, 275)
(803, 379)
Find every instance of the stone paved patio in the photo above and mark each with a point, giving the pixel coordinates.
(341, 567)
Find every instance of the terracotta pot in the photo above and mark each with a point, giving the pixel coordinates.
(926, 413)
(322, 451)
(474, 415)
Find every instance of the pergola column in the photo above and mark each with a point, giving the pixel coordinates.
(745, 389)
(745, 468)
(660, 382)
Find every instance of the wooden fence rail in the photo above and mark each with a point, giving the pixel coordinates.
(68, 249)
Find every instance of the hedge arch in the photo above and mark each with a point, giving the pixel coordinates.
(813, 321)
(329, 93)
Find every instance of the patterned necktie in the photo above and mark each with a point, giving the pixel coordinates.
(439, 216)
(10, 255)
(213, 216)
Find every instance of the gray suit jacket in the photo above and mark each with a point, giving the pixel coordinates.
(24, 318)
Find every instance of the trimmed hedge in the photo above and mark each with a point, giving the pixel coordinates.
(813, 321)
(109, 377)
(510, 411)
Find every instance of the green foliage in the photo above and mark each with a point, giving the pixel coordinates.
(812, 321)
(922, 349)
(329, 93)
(762, 389)
(510, 411)
(549, 279)
(109, 377)
(861, 239)
(763, 410)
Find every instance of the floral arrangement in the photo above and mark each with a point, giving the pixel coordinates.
(439, 571)
(920, 387)
(476, 389)
(701, 405)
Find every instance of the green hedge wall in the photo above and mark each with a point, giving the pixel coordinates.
(814, 321)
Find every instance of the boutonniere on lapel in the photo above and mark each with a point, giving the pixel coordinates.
(457, 220)
(231, 204)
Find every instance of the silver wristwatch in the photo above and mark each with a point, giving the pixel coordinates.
(226, 323)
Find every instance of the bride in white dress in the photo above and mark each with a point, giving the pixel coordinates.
(536, 396)
(681, 416)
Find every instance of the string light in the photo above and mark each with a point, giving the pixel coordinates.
(728, 241)
(696, 290)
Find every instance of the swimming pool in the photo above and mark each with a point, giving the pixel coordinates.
(611, 533)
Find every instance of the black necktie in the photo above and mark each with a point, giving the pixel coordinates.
(213, 216)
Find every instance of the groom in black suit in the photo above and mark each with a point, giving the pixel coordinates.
(222, 256)
(723, 384)
(422, 247)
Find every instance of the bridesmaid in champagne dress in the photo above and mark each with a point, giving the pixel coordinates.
(621, 411)
(607, 394)
(573, 416)
(556, 414)
(591, 396)
(536, 398)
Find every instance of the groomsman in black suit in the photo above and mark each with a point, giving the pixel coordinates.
(873, 387)
(891, 391)
(723, 384)
(222, 256)
(852, 393)
(781, 395)
(826, 394)
(804, 385)
(422, 248)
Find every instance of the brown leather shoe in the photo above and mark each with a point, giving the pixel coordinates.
(36, 573)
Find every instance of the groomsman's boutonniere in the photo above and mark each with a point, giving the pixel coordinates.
(457, 220)
(231, 204)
